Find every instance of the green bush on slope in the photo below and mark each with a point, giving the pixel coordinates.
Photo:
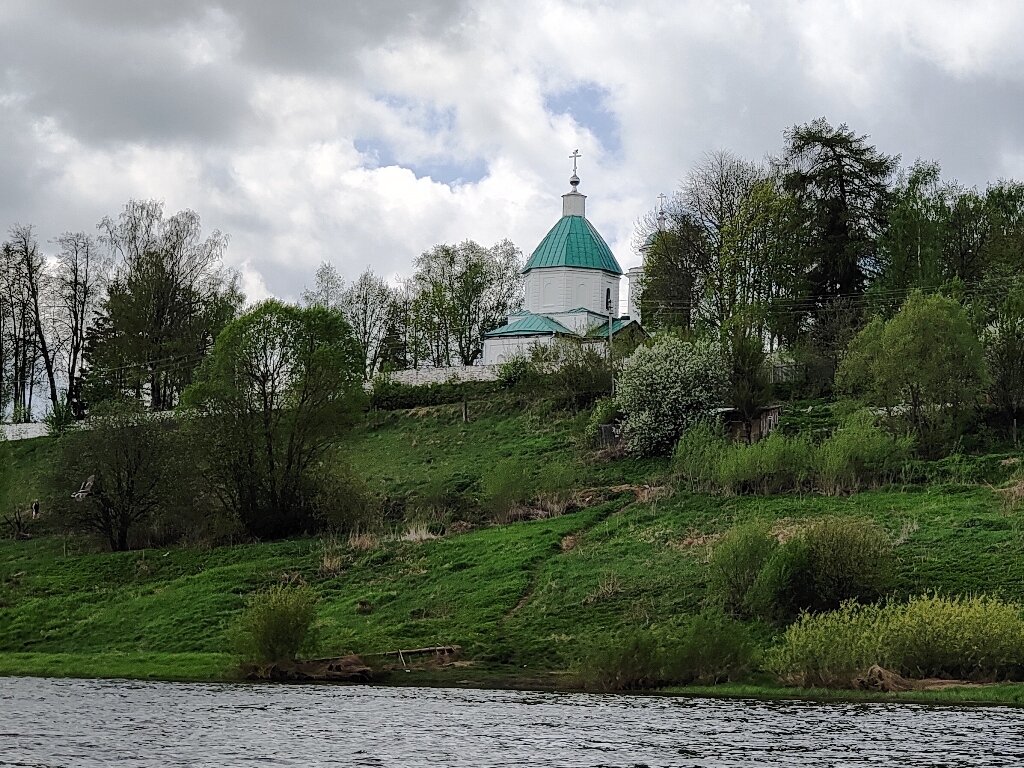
(277, 625)
(751, 573)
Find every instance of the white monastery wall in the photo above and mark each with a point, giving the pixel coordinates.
(445, 375)
(23, 431)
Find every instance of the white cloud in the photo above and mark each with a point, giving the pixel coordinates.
(364, 135)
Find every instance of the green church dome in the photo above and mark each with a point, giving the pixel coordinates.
(573, 242)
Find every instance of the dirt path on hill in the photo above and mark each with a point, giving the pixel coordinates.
(589, 497)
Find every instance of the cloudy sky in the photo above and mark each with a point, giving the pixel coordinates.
(363, 133)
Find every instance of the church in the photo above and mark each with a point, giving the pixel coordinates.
(572, 288)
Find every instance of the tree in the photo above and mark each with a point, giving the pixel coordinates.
(328, 290)
(841, 184)
(29, 268)
(749, 387)
(926, 362)
(18, 344)
(911, 246)
(673, 260)
(461, 292)
(667, 386)
(1004, 353)
(80, 276)
(369, 306)
(167, 300)
(273, 398)
(135, 469)
(727, 246)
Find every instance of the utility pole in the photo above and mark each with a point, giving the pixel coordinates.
(611, 366)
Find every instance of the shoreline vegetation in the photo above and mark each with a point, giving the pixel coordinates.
(224, 669)
(531, 599)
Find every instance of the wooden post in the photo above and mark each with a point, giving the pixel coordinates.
(465, 409)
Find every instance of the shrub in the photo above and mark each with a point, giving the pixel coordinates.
(666, 387)
(276, 625)
(515, 371)
(713, 649)
(604, 412)
(456, 495)
(343, 501)
(507, 486)
(710, 648)
(735, 563)
(389, 395)
(847, 559)
(634, 662)
(59, 418)
(858, 455)
(830, 561)
(570, 374)
(976, 638)
(825, 563)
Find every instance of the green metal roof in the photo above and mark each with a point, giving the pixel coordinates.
(601, 331)
(530, 325)
(573, 242)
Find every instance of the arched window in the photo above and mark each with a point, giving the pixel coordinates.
(608, 299)
(548, 294)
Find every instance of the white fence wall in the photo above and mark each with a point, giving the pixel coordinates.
(445, 375)
(23, 431)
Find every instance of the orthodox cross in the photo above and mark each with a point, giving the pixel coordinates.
(661, 202)
(575, 156)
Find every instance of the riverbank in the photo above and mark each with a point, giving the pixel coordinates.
(526, 601)
(523, 600)
(223, 668)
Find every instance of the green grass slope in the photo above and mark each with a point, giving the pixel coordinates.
(532, 594)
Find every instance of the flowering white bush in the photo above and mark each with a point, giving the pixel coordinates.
(665, 387)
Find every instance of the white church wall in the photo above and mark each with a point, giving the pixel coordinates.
(633, 301)
(577, 322)
(558, 289)
(499, 349)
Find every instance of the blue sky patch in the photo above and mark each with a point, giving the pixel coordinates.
(447, 170)
(587, 104)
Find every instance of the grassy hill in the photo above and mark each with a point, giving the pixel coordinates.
(524, 600)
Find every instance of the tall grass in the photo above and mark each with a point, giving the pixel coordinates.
(860, 454)
(857, 455)
(974, 638)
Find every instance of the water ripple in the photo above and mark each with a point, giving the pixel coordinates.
(143, 725)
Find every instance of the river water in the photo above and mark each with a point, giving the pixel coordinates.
(119, 723)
